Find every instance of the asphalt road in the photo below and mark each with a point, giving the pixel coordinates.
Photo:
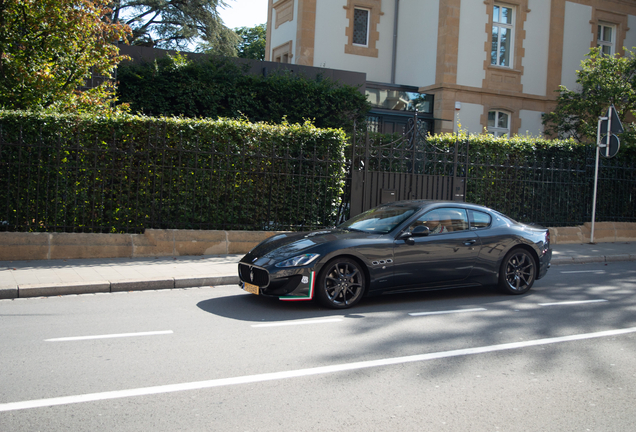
(561, 358)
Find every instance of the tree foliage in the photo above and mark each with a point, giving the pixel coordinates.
(175, 23)
(219, 87)
(252, 42)
(48, 48)
(602, 81)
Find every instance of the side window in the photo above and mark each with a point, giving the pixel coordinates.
(479, 219)
(443, 220)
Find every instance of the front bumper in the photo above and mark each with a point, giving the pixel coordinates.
(295, 283)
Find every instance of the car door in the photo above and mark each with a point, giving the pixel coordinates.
(446, 256)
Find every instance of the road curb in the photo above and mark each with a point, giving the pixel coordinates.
(142, 285)
(55, 289)
(186, 282)
(8, 293)
(58, 289)
(592, 259)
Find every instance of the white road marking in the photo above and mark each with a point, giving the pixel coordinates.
(304, 322)
(447, 312)
(572, 302)
(585, 271)
(121, 335)
(170, 388)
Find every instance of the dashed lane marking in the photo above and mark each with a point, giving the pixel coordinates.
(447, 312)
(109, 336)
(574, 302)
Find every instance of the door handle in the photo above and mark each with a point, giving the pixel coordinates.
(470, 242)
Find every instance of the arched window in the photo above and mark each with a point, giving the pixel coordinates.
(499, 123)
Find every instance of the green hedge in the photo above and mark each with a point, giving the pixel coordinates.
(125, 173)
(549, 182)
(219, 87)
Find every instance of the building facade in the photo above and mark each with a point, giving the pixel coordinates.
(470, 64)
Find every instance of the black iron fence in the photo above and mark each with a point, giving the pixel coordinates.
(113, 182)
(553, 187)
(406, 166)
(540, 182)
(90, 180)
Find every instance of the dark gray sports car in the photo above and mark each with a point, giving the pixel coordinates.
(399, 247)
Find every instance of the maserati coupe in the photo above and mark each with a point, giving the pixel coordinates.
(399, 247)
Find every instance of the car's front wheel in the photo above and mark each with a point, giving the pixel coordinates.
(340, 283)
(518, 272)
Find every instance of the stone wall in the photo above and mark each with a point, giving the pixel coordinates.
(604, 232)
(42, 246)
(153, 242)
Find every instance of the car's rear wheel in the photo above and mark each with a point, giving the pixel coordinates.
(340, 283)
(518, 272)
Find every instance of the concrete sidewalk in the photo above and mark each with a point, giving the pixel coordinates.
(19, 279)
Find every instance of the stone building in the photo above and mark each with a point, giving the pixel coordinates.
(475, 63)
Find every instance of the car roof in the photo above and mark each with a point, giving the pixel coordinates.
(422, 204)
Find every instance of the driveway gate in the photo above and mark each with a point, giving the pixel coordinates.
(387, 168)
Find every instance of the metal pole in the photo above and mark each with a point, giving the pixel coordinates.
(609, 130)
(598, 153)
(395, 37)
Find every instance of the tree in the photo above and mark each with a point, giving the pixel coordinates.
(603, 80)
(48, 48)
(175, 24)
(252, 43)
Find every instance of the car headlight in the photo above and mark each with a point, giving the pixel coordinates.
(298, 261)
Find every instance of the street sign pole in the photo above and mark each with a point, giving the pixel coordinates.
(598, 155)
(614, 126)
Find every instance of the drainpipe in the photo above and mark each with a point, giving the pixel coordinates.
(395, 36)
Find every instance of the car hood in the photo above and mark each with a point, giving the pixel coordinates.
(282, 246)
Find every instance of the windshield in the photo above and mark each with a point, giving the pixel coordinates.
(378, 220)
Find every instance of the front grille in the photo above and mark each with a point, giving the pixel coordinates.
(261, 276)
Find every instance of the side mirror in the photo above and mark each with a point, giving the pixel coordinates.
(420, 231)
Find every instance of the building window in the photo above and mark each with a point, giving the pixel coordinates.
(605, 39)
(361, 27)
(498, 123)
(362, 33)
(502, 31)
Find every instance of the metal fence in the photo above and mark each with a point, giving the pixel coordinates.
(155, 180)
(553, 188)
(394, 167)
(128, 184)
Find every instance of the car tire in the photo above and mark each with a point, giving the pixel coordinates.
(518, 272)
(341, 283)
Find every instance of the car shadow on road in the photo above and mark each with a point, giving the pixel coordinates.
(251, 308)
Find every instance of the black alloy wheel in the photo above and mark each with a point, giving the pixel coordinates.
(340, 284)
(518, 272)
